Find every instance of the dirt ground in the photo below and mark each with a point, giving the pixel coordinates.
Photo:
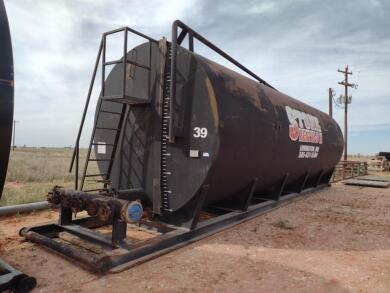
(336, 240)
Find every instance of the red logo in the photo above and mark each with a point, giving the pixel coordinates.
(294, 132)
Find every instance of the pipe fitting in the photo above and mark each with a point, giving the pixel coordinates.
(132, 212)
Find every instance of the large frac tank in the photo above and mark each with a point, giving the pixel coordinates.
(6, 94)
(226, 131)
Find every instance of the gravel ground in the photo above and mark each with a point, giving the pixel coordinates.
(337, 240)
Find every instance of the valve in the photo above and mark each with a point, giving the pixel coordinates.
(132, 212)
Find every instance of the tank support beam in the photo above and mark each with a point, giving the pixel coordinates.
(170, 237)
(242, 201)
(319, 177)
(279, 193)
(199, 206)
(188, 216)
(304, 182)
(65, 215)
(252, 189)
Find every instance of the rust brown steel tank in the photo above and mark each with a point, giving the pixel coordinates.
(228, 130)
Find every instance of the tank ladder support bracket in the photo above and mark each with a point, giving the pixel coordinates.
(14, 280)
(168, 237)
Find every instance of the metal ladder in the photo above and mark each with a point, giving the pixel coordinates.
(122, 98)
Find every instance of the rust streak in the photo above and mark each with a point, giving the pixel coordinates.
(213, 101)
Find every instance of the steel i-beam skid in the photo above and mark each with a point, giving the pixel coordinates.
(14, 280)
(124, 255)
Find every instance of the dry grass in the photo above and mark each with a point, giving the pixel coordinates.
(361, 158)
(32, 172)
(283, 224)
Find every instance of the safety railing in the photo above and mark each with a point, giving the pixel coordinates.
(177, 39)
(101, 60)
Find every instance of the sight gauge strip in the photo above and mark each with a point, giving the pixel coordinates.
(165, 131)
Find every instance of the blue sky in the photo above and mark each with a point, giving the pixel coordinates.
(297, 46)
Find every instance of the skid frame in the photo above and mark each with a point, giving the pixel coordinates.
(13, 280)
(172, 237)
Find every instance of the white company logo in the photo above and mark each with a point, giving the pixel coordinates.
(303, 127)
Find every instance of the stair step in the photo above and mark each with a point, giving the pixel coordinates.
(106, 144)
(106, 128)
(95, 175)
(99, 160)
(127, 61)
(110, 112)
(124, 99)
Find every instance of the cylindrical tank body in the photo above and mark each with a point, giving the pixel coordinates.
(228, 130)
(6, 94)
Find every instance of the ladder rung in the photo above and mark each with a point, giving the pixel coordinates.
(110, 112)
(99, 160)
(112, 62)
(138, 65)
(127, 61)
(94, 175)
(125, 99)
(107, 144)
(106, 128)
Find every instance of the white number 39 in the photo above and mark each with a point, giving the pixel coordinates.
(200, 132)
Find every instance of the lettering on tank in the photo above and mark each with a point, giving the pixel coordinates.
(304, 128)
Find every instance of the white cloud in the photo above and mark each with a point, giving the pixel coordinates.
(55, 45)
(263, 7)
(297, 46)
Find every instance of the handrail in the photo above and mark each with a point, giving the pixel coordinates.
(177, 40)
(100, 56)
(130, 30)
(97, 62)
(194, 34)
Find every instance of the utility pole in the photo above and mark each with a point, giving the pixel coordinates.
(13, 140)
(346, 100)
(331, 95)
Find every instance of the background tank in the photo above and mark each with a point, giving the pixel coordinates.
(228, 130)
(6, 94)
